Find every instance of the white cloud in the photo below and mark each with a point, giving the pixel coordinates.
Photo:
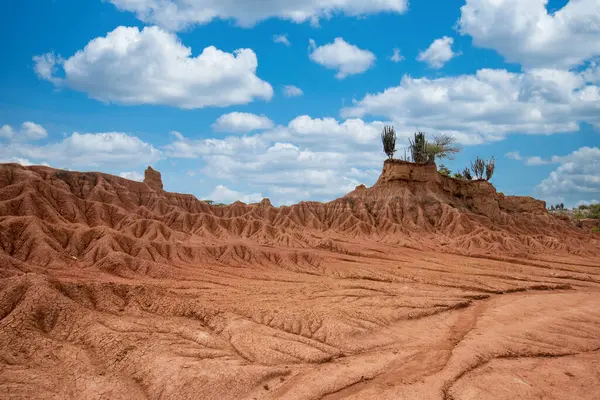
(536, 160)
(180, 14)
(310, 158)
(223, 194)
(33, 131)
(111, 150)
(23, 161)
(154, 67)
(177, 134)
(396, 56)
(353, 131)
(241, 122)
(29, 131)
(132, 176)
(438, 53)
(292, 91)
(488, 105)
(524, 31)
(576, 177)
(7, 132)
(514, 155)
(229, 146)
(533, 160)
(344, 57)
(45, 66)
(283, 39)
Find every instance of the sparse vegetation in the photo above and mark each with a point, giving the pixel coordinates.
(422, 151)
(388, 138)
(418, 148)
(481, 168)
(443, 146)
(478, 167)
(490, 166)
(442, 169)
(466, 173)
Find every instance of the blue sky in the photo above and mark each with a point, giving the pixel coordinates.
(117, 85)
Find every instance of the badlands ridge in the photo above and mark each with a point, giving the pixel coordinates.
(420, 287)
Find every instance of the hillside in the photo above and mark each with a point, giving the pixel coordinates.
(421, 286)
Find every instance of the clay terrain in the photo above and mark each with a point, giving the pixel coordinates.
(420, 287)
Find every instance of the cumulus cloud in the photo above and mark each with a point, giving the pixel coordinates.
(45, 66)
(488, 105)
(318, 131)
(292, 91)
(33, 131)
(396, 56)
(222, 194)
(241, 122)
(533, 160)
(309, 158)
(180, 14)
(525, 32)
(438, 53)
(344, 57)
(7, 132)
(112, 150)
(283, 39)
(132, 176)
(23, 161)
(576, 177)
(29, 131)
(152, 66)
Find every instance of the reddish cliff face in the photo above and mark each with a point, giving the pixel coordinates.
(422, 181)
(153, 179)
(50, 216)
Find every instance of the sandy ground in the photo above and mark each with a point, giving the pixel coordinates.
(107, 299)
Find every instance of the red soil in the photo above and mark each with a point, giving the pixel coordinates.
(421, 287)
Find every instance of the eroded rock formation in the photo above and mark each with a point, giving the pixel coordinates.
(153, 179)
(419, 287)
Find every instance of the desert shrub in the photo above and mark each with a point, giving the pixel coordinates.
(490, 166)
(442, 169)
(594, 211)
(418, 148)
(458, 175)
(478, 167)
(388, 138)
(466, 173)
(595, 229)
(443, 146)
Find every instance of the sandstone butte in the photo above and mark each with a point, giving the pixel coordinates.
(420, 287)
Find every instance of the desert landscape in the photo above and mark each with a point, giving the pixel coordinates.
(419, 287)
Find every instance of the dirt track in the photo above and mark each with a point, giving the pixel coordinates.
(109, 289)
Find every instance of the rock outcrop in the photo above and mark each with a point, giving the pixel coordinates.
(153, 179)
(424, 180)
